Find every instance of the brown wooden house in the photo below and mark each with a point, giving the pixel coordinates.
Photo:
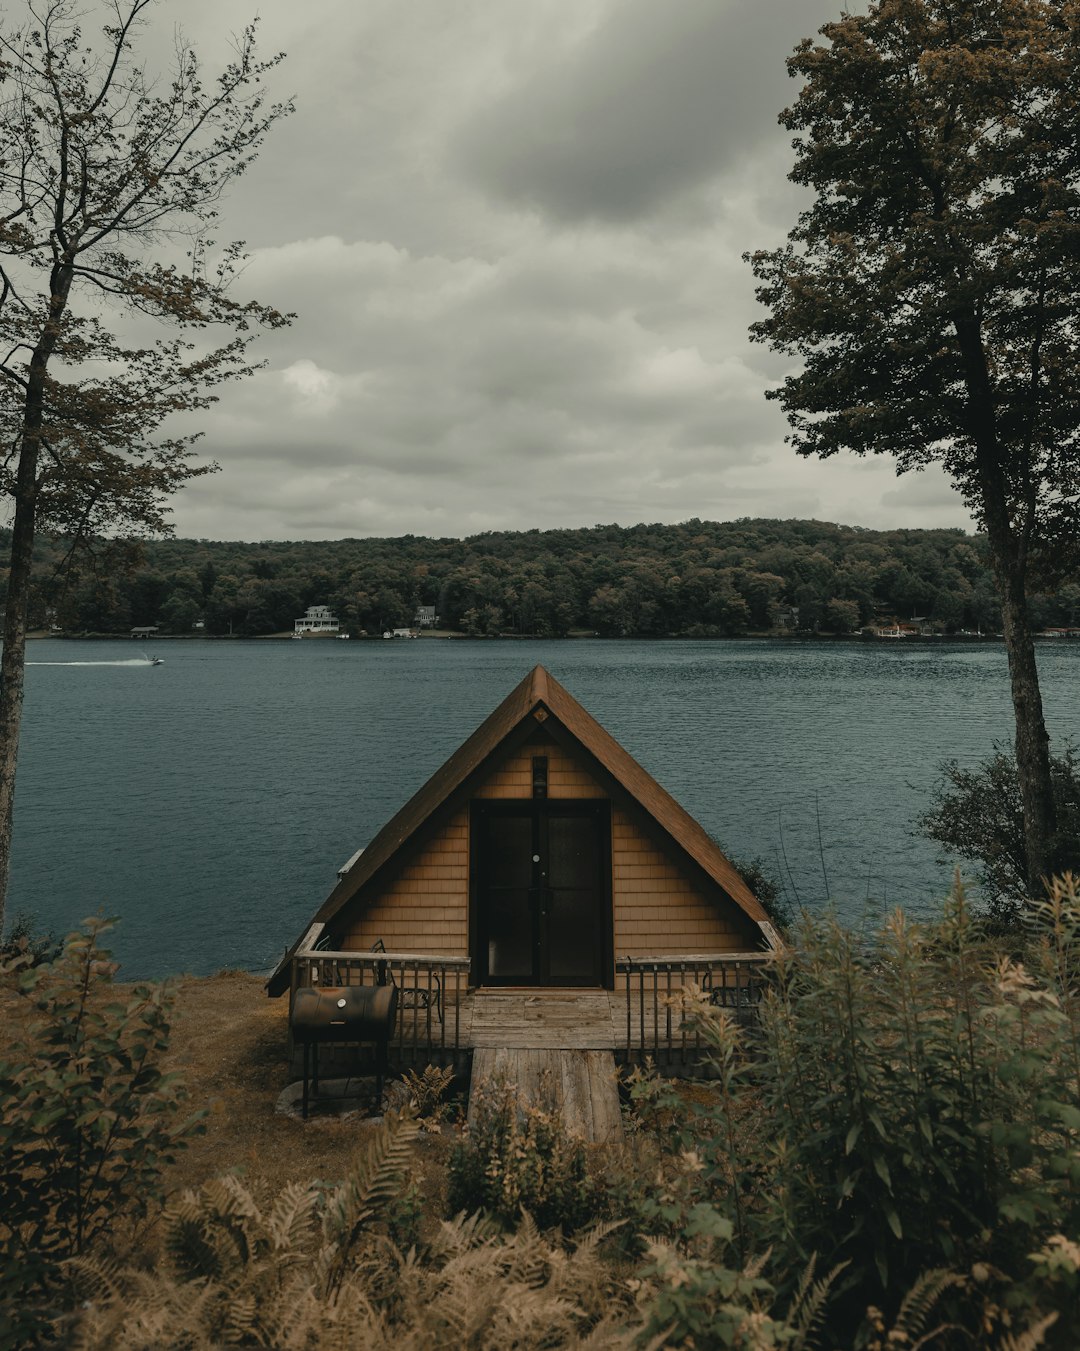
(539, 855)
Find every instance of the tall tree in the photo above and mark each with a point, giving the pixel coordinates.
(109, 184)
(931, 287)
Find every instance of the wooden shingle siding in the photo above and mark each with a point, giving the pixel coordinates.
(567, 777)
(426, 907)
(658, 910)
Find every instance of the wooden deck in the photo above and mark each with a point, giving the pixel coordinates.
(541, 1019)
(583, 1020)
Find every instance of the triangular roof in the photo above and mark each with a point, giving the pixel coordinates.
(516, 717)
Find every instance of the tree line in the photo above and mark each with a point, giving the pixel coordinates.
(697, 579)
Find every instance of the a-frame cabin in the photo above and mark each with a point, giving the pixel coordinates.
(539, 854)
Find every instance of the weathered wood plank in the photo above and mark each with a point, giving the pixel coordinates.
(604, 1091)
(577, 1098)
(566, 1019)
(580, 1085)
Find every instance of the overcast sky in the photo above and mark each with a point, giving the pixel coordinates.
(512, 232)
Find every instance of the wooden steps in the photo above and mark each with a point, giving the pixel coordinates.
(580, 1084)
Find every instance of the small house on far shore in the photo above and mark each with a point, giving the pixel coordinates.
(541, 856)
(317, 620)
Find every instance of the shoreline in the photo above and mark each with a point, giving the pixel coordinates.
(455, 636)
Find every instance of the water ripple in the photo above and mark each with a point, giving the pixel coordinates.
(209, 801)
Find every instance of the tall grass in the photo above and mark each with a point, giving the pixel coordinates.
(889, 1161)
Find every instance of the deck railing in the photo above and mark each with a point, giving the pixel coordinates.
(655, 1026)
(431, 993)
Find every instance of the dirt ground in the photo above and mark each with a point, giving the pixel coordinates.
(229, 1042)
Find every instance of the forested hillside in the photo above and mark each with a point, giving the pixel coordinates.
(698, 579)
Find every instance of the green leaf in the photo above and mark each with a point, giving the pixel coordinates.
(1064, 1112)
(1018, 1208)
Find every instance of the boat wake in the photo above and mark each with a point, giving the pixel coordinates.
(131, 661)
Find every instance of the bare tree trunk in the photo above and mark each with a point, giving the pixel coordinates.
(1031, 743)
(17, 613)
(12, 660)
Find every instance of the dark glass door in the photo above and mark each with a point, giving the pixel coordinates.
(542, 894)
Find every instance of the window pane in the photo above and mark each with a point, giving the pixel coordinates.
(573, 937)
(573, 853)
(509, 851)
(510, 934)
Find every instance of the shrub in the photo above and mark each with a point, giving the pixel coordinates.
(654, 1106)
(917, 1120)
(88, 1118)
(755, 873)
(22, 939)
(516, 1157)
(977, 815)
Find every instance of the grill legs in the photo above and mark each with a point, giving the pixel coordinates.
(311, 1072)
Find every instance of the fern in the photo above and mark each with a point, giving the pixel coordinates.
(426, 1092)
(375, 1179)
(915, 1310)
(290, 1226)
(473, 1288)
(213, 1231)
(807, 1310)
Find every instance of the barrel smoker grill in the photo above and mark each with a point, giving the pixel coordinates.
(346, 1013)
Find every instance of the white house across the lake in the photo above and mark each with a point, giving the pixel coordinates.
(317, 620)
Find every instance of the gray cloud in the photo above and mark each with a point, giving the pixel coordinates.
(658, 99)
(512, 235)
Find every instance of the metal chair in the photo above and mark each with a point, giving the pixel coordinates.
(740, 993)
(410, 996)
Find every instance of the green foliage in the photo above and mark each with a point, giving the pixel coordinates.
(110, 170)
(699, 578)
(914, 1126)
(705, 1169)
(22, 939)
(927, 291)
(655, 1107)
(698, 1301)
(755, 873)
(977, 814)
(926, 294)
(516, 1157)
(893, 1160)
(88, 1118)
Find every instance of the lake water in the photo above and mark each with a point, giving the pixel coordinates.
(210, 801)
